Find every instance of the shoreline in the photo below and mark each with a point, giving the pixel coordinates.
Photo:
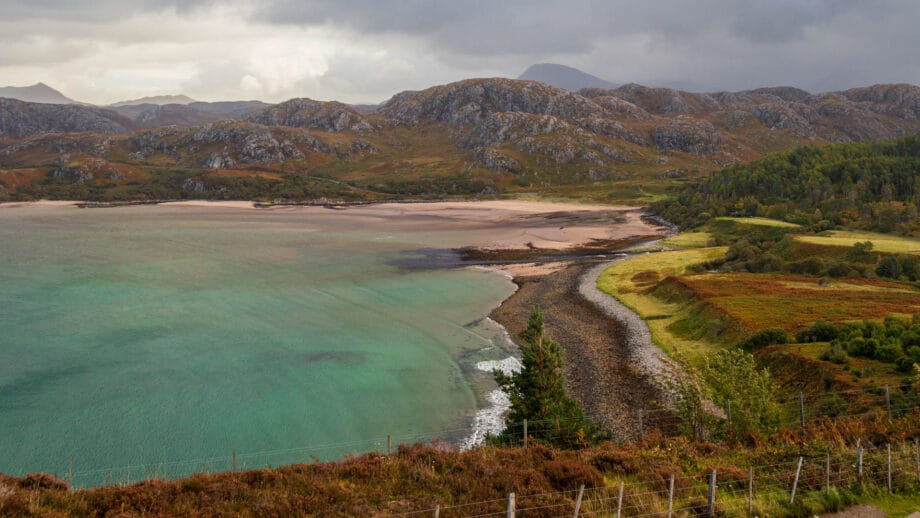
(610, 367)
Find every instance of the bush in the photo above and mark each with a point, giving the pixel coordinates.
(889, 352)
(820, 331)
(763, 338)
(888, 267)
(905, 364)
(835, 354)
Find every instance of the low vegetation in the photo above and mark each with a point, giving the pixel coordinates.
(421, 477)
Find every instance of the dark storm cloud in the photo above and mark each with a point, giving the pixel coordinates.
(369, 49)
(712, 43)
(527, 26)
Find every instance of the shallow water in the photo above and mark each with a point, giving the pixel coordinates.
(159, 340)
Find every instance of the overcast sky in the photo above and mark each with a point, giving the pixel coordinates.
(366, 50)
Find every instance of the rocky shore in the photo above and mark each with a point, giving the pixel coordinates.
(611, 366)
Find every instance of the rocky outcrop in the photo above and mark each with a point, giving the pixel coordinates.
(514, 127)
(235, 142)
(782, 116)
(684, 133)
(473, 101)
(899, 100)
(619, 107)
(20, 119)
(495, 160)
(307, 113)
(92, 144)
(665, 101)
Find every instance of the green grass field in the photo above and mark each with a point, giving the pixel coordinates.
(764, 222)
(688, 240)
(880, 242)
(631, 280)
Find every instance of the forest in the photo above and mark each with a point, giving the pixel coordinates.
(868, 186)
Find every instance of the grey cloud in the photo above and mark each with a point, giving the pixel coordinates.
(709, 44)
(527, 26)
(92, 10)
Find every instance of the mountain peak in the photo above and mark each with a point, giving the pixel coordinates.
(37, 93)
(562, 76)
(158, 100)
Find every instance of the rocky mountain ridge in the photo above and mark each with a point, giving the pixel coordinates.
(504, 131)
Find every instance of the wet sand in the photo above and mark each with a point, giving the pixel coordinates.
(510, 225)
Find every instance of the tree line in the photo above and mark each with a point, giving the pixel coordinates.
(871, 186)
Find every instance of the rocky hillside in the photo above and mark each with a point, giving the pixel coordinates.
(307, 113)
(471, 136)
(20, 119)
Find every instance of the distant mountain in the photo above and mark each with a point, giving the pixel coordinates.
(37, 93)
(151, 115)
(230, 109)
(158, 100)
(564, 77)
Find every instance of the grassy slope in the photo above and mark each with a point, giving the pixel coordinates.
(691, 314)
(880, 242)
(631, 279)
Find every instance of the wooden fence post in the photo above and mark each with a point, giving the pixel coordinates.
(889, 468)
(389, 444)
(827, 473)
(234, 461)
(70, 472)
(641, 428)
(670, 496)
(511, 506)
(795, 483)
(888, 401)
(581, 493)
(859, 464)
(712, 493)
(437, 511)
(525, 433)
(751, 490)
(917, 457)
(620, 501)
(728, 410)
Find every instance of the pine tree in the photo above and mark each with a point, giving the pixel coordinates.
(537, 393)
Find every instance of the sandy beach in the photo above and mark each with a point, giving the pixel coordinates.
(508, 224)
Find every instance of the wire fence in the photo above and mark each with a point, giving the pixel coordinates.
(882, 402)
(761, 490)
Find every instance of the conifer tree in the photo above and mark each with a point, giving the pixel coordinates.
(537, 393)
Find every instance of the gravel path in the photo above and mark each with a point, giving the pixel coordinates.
(648, 360)
(600, 367)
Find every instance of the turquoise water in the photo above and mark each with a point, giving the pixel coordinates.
(160, 340)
